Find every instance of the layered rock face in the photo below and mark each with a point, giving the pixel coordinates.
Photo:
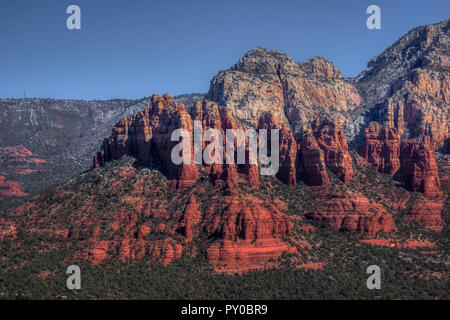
(325, 146)
(191, 217)
(381, 148)
(321, 147)
(422, 106)
(410, 84)
(262, 83)
(288, 157)
(212, 116)
(164, 251)
(271, 82)
(445, 179)
(427, 212)
(387, 153)
(405, 87)
(147, 136)
(287, 149)
(252, 220)
(313, 160)
(330, 138)
(420, 168)
(250, 234)
(353, 212)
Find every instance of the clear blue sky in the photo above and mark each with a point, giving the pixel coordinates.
(131, 48)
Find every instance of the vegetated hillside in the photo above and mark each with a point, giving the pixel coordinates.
(102, 223)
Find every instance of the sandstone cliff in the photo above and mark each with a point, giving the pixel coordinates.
(353, 212)
(250, 234)
(407, 86)
(271, 82)
(387, 153)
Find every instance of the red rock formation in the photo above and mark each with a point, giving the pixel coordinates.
(420, 168)
(248, 219)
(294, 93)
(250, 234)
(241, 256)
(287, 149)
(191, 217)
(415, 96)
(384, 150)
(330, 138)
(313, 160)
(323, 146)
(445, 179)
(352, 212)
(212, 116)
(288, 157)
(165, 251)
(254, 228)
(148, 135)
(427, 213)
(252, 173)
(104, 155)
